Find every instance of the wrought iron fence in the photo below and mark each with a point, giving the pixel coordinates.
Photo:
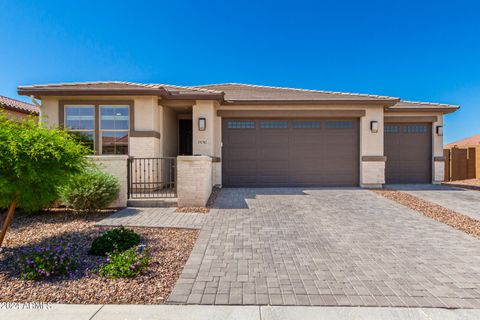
(152, 178)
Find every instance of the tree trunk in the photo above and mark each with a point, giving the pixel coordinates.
(7, 221)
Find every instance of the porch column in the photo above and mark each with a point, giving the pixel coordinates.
(204, 141)
(438, 168)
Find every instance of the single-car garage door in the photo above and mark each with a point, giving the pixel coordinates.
(290, 152)
(408, 148)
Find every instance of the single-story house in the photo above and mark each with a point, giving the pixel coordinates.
(17, 110)
(241, 135)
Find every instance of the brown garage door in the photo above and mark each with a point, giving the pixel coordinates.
(408, 147)
(290, 152)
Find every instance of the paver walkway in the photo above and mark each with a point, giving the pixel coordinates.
(154, 217)
(459, 200)
(335, 247)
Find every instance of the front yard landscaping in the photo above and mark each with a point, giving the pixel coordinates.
(454, 219)
(87, 282)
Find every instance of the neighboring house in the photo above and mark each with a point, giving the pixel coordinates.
(256, 135)
(15, 109)
(472, 141)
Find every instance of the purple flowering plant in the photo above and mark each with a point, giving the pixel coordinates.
(126, 264)
(46, 261)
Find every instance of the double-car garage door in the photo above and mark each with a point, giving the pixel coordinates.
(290, 152)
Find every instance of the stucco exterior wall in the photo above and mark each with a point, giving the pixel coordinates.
(116, 166)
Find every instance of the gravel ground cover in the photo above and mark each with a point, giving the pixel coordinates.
(473, 184)
(169, 248)
(434, 211)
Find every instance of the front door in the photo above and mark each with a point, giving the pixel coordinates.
(185, 137)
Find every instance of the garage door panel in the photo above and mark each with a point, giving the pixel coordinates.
(408, 148)
(272, 179)
(271, 139)
(242, 153)
(244, 139)
(300, 153)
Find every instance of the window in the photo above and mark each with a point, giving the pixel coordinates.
(306, 124)
(273, 124)
(415, 128)
(110, 131)
(80, 120)
(114, 129)
(339, 124)
(241, 124)
(391, 128)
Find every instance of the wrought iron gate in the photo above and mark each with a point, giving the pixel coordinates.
(152, 178)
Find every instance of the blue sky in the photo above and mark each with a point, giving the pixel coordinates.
(416, 50)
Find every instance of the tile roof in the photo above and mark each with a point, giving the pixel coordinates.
(467, 142)
(18, 106)
(228, 92)
(248, 92)
(116, 86)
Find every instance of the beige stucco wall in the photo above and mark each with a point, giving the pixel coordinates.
(116, 166)
(194, 180)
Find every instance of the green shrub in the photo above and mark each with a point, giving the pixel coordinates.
(45, 262)
(126, 264)
(90, 190)
(118, 239)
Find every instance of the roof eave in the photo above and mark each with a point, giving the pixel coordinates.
(36, 92)
(444, 110)
(194, 96)
(89, 92)
(381, 102)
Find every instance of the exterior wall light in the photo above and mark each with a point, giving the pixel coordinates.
(440, 130)
(374, 126)
(202, 124)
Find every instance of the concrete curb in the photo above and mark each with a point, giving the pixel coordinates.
(196, 312)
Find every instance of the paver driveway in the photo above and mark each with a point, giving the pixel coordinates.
(327, 247)
(460, 200)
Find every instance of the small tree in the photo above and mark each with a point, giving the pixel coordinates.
(34, 161)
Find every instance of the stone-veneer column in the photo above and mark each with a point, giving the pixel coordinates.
(373, 171)
(116, 166)
(194, 180)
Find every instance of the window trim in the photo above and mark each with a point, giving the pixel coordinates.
(97, 103)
